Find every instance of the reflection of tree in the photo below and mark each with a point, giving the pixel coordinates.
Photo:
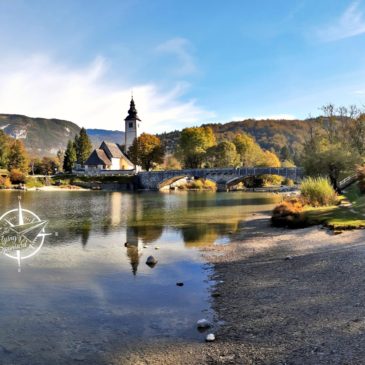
(85, 231)
(146, 233)
(196, 235)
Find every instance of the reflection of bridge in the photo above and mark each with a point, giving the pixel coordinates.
(224, 178)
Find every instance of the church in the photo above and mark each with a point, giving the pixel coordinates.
(113, 156)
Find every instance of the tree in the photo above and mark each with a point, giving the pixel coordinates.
(223, 155)
(250, 153)
(83, 146)
(146, 151)
(17, 158)
(193, 145)
(4, 149)
(70, 157)
(269, 159)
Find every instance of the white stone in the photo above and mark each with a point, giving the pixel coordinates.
(210, 337)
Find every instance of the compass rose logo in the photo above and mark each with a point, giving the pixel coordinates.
(22, 234)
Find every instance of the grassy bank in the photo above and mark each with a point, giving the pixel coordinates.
(349, 214)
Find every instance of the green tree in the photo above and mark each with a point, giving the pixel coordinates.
(83, 146)
(146, 151)
(193, 145)
(250, 153)
(4, 149)
(17, 158)
(224, 154)
(70, 157)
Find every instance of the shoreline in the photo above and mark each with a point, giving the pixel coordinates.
(281, 296)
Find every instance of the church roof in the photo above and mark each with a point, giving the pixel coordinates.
(98, 157)
(111, 149)
(132, 112)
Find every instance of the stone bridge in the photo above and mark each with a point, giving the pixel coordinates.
(224, 178)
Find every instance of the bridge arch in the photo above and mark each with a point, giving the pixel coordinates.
(173, 179)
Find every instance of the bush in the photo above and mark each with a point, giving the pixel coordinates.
(17, 176)
(318, 192)
(287, 182)
(5, 182)
(287, 213)
(33, 182)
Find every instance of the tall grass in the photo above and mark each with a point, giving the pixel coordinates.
(318, 192)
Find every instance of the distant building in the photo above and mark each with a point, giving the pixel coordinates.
(109, 156)
(112, 156)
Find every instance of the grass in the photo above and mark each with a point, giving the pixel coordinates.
(340, 217)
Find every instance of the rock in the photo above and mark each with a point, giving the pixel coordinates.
(151, 261)
(216, 294)
(203, 323)
(210, 337)
(145, 246)
(157, 248)
(180, 284)
(288, 258)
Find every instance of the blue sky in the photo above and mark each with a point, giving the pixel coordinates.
(188, 62)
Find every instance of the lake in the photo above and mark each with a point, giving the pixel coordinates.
(88, 290)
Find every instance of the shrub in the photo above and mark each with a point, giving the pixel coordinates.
(287, 213)
(17, 176)
(318, 192)
(287, 182)
(33, 182)
(5, 182)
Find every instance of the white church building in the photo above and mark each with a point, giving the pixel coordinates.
(113, 156)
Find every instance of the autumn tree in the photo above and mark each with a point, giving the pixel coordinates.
(146, 151)
(224, 154)
(83, 146)
(269, 159)
(70, 157)
(4, 149)
(193, 145)
(17, 158)
(250, 153)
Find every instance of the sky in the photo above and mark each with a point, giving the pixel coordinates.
(187, 62)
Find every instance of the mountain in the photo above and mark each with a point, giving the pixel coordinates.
(97, 136)
(42, 137)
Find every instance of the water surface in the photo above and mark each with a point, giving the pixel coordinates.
(89, 291)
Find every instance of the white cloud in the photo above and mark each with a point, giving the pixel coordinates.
(351, 23)
(262, 117)
(181, 48)
(39, 87)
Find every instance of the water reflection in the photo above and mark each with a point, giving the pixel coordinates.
(89, 290)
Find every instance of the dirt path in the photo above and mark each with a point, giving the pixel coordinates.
(286, 297)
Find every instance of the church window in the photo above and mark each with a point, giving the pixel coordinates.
(130, 124)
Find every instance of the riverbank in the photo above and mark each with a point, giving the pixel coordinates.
(284, 296)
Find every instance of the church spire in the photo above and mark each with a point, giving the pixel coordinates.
(132, 112)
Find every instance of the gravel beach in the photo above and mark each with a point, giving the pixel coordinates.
(282, 297)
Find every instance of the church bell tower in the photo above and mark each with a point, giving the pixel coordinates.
(132, 126)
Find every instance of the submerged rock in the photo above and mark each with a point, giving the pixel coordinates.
(151, 261)
(180, 284)
(289, 258)
(203, 323)
(210, 337)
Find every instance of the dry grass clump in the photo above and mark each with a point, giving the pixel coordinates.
(318, 192)
(288, 213)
